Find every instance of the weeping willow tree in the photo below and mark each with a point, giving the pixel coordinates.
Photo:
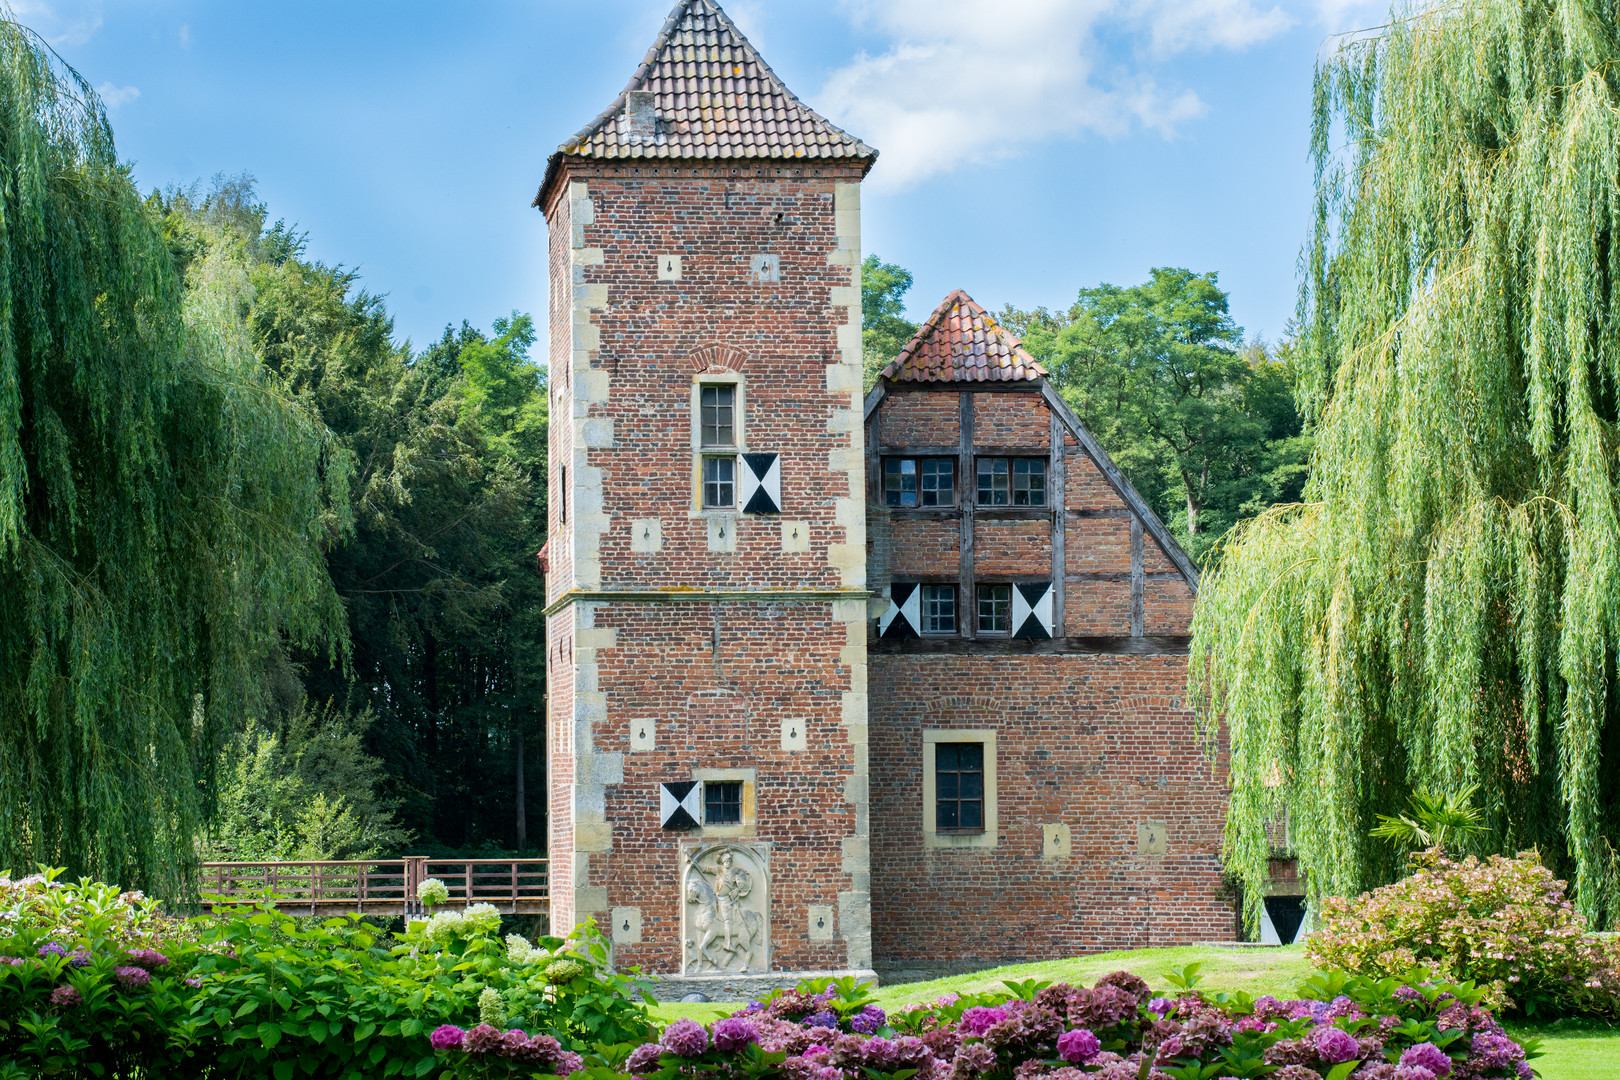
(1444, 607)
(163, 503)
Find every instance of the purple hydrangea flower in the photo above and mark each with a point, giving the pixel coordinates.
(644, 1059)
(132, 978)
(1161, 1006)
(1335, 1044)
(51, 948)
(980, 1019)
(753, 1007)
(880, 1054)
(66, 996)
(686, 1038)
(868, 1020)
(1426, 1055)
(825, 1018)
(1078, 1045)
(568, 1063)
(150, 959)
(11, 961)
(1266, 1005)
(483, 1039)
(79, 958)
(734, 1033)
(1413, 1072)
(447, 1037)
(1407, 993)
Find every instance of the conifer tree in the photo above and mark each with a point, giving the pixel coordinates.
(1444, 607)
(164, 504)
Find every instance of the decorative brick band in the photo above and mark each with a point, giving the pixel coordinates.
(706, 596)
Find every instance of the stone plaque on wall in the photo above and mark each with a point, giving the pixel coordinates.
(725, 907)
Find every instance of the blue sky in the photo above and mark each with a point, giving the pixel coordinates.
(1029, 147)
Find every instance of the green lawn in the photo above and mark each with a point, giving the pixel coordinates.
(1573, 1050)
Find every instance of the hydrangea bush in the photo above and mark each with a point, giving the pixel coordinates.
(98, 983)
(1343, 1027)
(1503, 923)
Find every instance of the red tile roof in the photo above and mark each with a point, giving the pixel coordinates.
(962, 342)
(714, 98)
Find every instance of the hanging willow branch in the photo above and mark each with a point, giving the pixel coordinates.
(1445, 609)
(163, 505)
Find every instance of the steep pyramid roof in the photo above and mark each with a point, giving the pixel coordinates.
(962, 342)
(704, 93)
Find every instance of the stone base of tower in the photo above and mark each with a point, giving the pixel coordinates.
(740, 986)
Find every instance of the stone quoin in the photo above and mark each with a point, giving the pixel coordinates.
(835, 684)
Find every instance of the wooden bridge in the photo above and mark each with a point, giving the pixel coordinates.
(378, 886)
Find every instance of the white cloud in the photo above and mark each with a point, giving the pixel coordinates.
(969, 81)
(114, 96)
(60, 22)
(185, 35)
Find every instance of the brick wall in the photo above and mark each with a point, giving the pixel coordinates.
(1011, 420)
(1100, 744)
(1011, 547)
(922, 419)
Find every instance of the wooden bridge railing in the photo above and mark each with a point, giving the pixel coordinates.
(379, 886)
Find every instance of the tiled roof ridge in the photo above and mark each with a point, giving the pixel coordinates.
(842, 143)
(1000, 357)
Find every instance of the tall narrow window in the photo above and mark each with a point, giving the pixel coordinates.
(1012, 481)
(959, 787)
(719, 482)
(995, 609)
(718, 423)
(562, 494)
(919, 482)
(939, 609)
(722, 802)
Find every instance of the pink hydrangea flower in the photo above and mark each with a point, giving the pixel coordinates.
(1078, 1045)
(447, 1037)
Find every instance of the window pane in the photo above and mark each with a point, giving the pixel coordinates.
(970, 755)
(719, 481)
(900, 482)
(993, 482)
(716, 420)
(971, 815)
(939, 609)
(995, 608)
(1029, 482)
(959, 787)
(972, 785)
(722, 802)
(938, 482)
(946, 818)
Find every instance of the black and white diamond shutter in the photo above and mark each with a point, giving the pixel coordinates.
(1032, 611)
(678, 804)
(904, 614)
(761, 484)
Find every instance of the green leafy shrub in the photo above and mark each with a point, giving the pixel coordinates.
(1503, 923)
(98, 983)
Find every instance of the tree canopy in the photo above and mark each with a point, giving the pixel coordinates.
(165, 502)
(1444, 608)
(884, 327)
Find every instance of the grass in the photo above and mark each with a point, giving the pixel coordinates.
(1572, 1049)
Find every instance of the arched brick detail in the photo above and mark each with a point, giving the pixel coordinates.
(716, 356)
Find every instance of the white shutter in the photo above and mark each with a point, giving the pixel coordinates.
(904, 614)
(1032, 611)
(760, 490)
(678, 804)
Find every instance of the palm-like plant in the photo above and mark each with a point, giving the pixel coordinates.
(1448, 821)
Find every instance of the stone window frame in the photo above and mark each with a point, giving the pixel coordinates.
(750, 815)
(932, 838)
(739, 383)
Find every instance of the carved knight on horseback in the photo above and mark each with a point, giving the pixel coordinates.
(719, 921)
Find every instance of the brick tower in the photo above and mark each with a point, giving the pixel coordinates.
(706, 586)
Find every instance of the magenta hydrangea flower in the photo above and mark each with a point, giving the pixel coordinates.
(66, 996)
(733, 1033)
(132, 978)
(981, 1018)
(150, 959)
(447, 1037)
(1413, 1072)
(1078, 1045)
(1426, 1055)
(686, 1038)
(1335, 1044)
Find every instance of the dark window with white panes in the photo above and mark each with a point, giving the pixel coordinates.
(719, 482)
(1012, 481)
(995, 609)
(959, 787)
(919, 481)
(722, 802)
(717, 422)
(938, 609)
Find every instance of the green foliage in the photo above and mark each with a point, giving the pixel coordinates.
(258, 994)
(165, 504)
(307, 793)
(1445, 608)
(1501, 923)
(1204, 429)
(884, 328)
(1447, 821)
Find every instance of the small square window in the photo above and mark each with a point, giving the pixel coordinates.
(939, 609)
(719, 482)
(909, 482)
(959, 787)
(995, 609)
(722, 802)
(718, 426)
(1012, 481)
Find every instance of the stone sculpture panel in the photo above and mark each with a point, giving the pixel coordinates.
(725, 907)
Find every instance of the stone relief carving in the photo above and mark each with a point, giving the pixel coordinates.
(725, 910)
